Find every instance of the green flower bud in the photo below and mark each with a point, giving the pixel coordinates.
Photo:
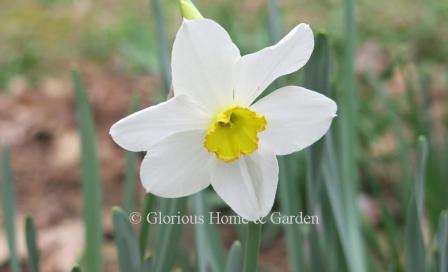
(188, 10)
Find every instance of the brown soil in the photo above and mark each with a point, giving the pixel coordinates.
(39, 125)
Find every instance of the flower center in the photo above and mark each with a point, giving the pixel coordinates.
(234, 132)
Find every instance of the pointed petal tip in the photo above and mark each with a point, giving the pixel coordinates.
(112, 129)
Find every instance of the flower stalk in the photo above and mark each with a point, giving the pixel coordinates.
(252, 247)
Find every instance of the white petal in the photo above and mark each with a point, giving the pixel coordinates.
(203, 62)
(248, 185)
(256, 71)
(140, 130)
(177, 166)
(296, 118)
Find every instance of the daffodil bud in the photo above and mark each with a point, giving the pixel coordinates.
(189, 10)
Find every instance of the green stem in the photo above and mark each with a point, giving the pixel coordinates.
(252, 247)
(162, 45)
(144, 231)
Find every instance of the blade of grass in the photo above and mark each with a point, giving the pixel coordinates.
(130, 173)
(9, 208)
(91, 180)
(414, 245)
(126, 241)
(234, 259)
(209, 246)
(252, 247)
(31, 245)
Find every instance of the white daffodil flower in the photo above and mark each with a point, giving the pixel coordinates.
(212, 131)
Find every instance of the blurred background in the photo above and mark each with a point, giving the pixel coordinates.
(400, 92)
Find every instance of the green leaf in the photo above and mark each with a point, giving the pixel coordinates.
(289, 205)
(270, 233)
(345, 214)
(288, 187)
(168, 235)
(349, 225)
(234, 259)
(316, 79)
(209, 246)
(130, 177)
(274, 21)
(144, 230)
(443, 242)
(414, 245)
(9, 208)
(76, 269)
(332, 248)
(422, 156)
(317, 70)
(91, 180)
(162, 46)
(148, 263)
(127, 245)
(31, 244)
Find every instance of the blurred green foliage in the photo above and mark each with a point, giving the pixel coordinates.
(47, 37)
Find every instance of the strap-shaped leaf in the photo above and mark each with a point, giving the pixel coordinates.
(234, 259)
(130, 176)
(91, 180)
(209, 247)
(127, 245)
(31, 244)
(9, 208)
(443, 242)
(414, 245)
